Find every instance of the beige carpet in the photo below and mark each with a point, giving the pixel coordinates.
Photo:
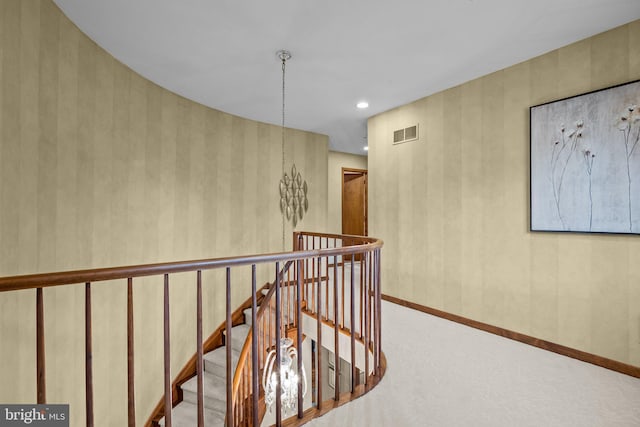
(444, 374)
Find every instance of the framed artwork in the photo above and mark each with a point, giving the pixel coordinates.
(585, 162)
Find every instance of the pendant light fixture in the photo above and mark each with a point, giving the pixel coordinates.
(293, 188)
(293, 205)
(286, 374)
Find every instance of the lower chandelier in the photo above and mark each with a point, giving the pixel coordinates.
(289, 377)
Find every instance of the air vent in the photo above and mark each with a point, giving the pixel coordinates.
(405, 135)
(398, 136)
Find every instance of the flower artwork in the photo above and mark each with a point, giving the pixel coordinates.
(629, 125)
(585, 162)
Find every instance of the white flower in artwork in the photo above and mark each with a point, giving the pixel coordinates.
(630, 138)
(623, 122)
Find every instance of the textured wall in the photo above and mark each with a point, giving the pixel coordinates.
(453, 210)
(99, 167)
(337, 161)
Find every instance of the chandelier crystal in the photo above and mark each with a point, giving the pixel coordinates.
(288, 376)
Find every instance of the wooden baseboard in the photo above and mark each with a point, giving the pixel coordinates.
(583, 356)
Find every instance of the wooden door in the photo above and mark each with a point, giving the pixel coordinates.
(354, 202)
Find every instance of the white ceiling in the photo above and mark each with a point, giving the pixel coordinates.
(222, 53)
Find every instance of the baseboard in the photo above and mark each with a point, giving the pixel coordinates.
(583, 356)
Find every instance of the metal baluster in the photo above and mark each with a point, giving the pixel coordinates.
(167, 355)
(277, 348)
(255, 369)
(376, 290)
(361, 294)
(367, 322)
(199, 362)
(40, 356)
(336, 329)
(299, 334)
(228, 349)
(131, 400)
(319, 347)
(353, 328)
(88, 355)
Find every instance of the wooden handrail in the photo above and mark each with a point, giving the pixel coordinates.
(245, 407)
(33, 281)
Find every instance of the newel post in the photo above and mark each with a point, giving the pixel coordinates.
(297, 241)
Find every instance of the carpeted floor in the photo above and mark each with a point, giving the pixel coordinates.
(443, 374)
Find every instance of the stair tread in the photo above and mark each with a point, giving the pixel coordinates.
(214, 392)
(185, 414)
(238, 336)
(247, 316)
(214, 386)
(215, 362)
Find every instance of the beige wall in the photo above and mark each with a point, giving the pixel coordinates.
(99, 167)
(337, 161)
(453, 211)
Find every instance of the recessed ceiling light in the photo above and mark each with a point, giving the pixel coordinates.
(362, 105)
(366, 148)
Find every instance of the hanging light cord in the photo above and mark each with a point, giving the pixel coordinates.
(284, 61)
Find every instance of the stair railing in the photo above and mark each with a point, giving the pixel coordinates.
(243, 404)
(319, 290)
(316, 283)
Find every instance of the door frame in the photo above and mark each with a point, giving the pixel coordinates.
(355, 171)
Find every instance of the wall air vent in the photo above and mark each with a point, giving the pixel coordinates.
(398, 136)
(405, 135)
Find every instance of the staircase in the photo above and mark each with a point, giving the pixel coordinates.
(308, 266)
(185, 414)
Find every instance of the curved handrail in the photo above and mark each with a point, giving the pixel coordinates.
(306, 253)
(242, 396)
(33, 281)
